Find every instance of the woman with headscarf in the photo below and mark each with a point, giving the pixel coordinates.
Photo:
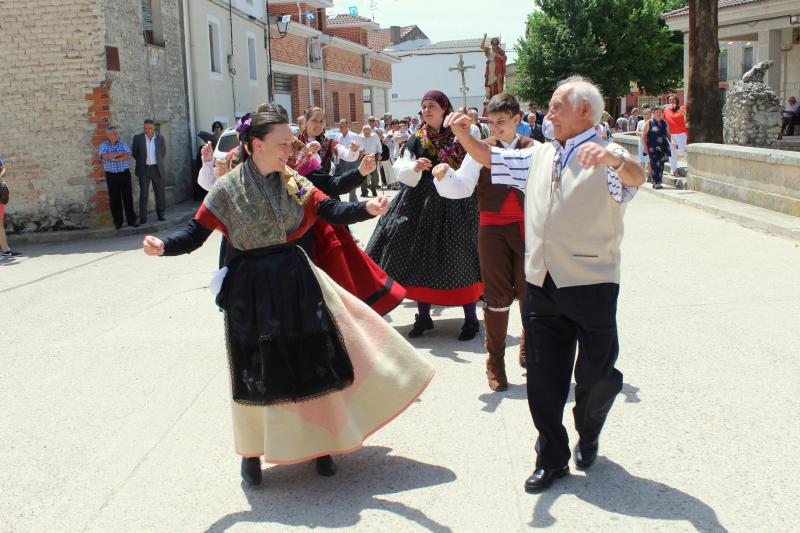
(313, 370)
(428, 243)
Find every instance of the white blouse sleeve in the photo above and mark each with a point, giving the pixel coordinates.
(461, 183)
(206, 178)
(404, 169)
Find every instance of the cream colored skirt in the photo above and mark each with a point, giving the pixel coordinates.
(389, 376)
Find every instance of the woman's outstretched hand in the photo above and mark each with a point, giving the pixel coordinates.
(153, 245)
(378, 206)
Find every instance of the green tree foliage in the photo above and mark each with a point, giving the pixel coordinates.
(613, 42)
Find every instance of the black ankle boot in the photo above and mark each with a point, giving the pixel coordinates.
(421, 325)
(251, 470)
(468, 330)
(325, 466)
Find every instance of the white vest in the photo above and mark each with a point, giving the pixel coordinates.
(575, 231)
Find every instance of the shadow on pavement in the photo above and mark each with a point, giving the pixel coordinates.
(295, 495)
(613, 489)
(492, 400)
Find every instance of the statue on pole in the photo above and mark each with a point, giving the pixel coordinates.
(495, 67)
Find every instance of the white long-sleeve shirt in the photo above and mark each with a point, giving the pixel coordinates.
(461, 183)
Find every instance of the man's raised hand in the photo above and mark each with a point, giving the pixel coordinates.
(591, 155)
(440, 171)
(354, 146)
(459, 123)
(368, 165)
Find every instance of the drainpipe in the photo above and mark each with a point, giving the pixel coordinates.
(187, 46)
(322, 48)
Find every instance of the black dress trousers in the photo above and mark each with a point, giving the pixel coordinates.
(556, 321)
(120, 197)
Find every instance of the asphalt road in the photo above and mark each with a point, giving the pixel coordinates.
(114, 391)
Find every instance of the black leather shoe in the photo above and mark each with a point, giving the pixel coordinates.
(325, 466)
(543, 478)
(468, 330)
(251, 470)
(421, 325)
(585, 454)
(162, 219)
(134, 225)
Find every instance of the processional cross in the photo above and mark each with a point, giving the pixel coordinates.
(462, 69)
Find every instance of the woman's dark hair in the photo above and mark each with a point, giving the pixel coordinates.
(217, 124)
(262, 123)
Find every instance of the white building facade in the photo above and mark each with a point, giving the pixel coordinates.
(425, 66)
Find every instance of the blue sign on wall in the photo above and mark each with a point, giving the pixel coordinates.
(310, 16)
(353, 11)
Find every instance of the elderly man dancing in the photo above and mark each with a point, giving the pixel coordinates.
(576, 191)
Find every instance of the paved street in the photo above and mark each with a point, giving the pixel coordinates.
(116, 412)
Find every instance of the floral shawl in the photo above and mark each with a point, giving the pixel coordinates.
(441, 146)
(257, 210)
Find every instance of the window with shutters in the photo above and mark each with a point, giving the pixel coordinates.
(152, 22)
(214, 48)
(251, 56)
(317, 101)
(283, 83)
(353, 108)
(336, 115)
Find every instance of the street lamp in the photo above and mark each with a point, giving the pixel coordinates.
(282, 25)
(794, 19)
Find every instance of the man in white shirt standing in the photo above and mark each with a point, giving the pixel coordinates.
(370, 144)
(576, 189)
(791, 116)
(149, 150)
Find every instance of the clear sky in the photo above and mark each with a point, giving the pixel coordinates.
(445, 20)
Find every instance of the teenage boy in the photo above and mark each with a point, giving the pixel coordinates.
(501, 244)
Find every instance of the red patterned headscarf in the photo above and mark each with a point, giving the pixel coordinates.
(440, 98)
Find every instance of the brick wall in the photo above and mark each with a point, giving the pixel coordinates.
(52, 61)
(344, 62)
(290, 49)
(300, 98)
(356, 35)
(381, 70)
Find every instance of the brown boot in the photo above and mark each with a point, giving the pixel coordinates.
(522, 361)
(496, 373)
(495, 324)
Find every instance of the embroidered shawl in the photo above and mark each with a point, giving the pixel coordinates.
(257, 210)
(441, 146)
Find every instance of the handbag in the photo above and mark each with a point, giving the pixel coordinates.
(5, 194)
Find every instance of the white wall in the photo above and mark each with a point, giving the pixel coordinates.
(416, 75)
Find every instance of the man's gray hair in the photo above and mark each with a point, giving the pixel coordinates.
(111, 127)
(583, 90)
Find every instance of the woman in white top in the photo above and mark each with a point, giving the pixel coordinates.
(643, 159)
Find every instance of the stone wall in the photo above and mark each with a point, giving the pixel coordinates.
(52, 62)
(757, 176)
(151, 84)
(59, 97)
(752, 112)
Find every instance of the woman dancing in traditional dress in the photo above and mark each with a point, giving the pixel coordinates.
(429, 244)
(314, 371)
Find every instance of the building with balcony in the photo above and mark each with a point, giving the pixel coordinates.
(325, 61)
(751, 31)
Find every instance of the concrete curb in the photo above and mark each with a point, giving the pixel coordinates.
(176, 214)
(747, 215)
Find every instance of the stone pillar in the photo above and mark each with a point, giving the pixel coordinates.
(735, 58)
(372, 101)
(386, 101)
(769, 49)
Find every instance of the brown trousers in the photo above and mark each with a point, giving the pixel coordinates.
(502, 258)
